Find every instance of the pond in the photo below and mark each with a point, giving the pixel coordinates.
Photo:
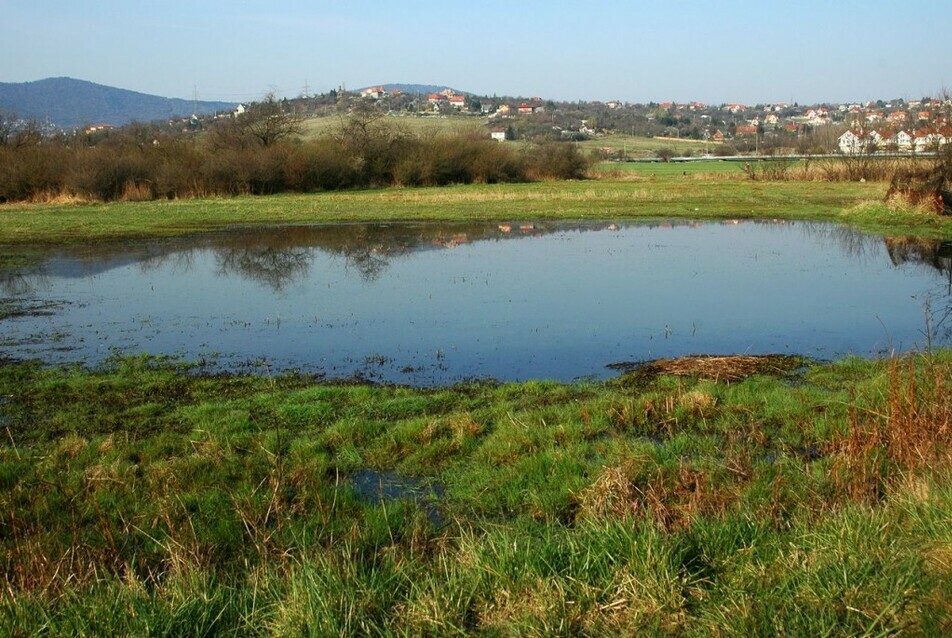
(426, 304)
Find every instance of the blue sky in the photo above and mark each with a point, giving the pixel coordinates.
(725, 51)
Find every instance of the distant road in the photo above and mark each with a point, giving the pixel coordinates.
(769, 158)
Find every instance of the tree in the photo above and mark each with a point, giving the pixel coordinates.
(269, 121)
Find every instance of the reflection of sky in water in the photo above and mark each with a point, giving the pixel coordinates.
(560, 305)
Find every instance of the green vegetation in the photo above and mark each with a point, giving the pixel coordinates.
(432, 125)
(621, 144)
(666, 194)
(147, 498)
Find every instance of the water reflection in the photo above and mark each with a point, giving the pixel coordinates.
(437, 302)
(934, 253)
(277, 257)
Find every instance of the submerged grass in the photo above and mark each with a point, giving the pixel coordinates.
(145, 497)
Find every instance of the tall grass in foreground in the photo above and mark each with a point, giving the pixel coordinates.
(143, 498)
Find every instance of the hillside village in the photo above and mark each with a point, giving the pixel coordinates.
(897, 126)
(874, 126)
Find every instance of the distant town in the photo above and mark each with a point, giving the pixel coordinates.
(896, 125)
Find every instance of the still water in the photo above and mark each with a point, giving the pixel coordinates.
(431, 304)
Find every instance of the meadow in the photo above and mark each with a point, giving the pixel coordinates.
(715, 190)
(706, 497)
(148, 498)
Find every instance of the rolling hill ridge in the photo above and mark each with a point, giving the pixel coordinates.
(70, 103)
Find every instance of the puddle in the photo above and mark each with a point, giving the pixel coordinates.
(437, 304)
(390, 486)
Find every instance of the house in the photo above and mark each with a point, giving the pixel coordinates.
(435, 98)
(499, 136)
(458, 101)
(746, 130)
(902, 140)
(772, 119)
(504, 110)
(613, 104)
(927, 139)
(526, 109)
(374, 92)
(851, 143)
(896, 116)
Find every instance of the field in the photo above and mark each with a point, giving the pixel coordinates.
(146, 497)
(429, 125)
(640, 146)
(653, 190)
(734, 496)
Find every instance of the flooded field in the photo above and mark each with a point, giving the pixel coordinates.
(432, 304)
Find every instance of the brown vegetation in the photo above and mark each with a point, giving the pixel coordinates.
(257, 153)
(722, 368)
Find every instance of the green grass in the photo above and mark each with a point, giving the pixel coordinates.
(667, 194)
(143, 498)
(673, 170)
(639, 146)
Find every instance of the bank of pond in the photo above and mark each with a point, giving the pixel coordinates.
(707, 495)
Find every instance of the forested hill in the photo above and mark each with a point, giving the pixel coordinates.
(70, 103)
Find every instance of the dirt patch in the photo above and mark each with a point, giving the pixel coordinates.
(718, 368)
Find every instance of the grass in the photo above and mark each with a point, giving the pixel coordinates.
(639, 146)
(413, 125)
(664, 194)
(145, 497)
(700, 169)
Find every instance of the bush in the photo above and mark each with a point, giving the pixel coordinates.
(557, 161)
(30, 172)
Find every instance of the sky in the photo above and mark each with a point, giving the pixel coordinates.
(752, 52)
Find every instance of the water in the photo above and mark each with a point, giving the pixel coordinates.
(432, 304)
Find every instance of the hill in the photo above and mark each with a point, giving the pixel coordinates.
(70, 103)
(417, 88)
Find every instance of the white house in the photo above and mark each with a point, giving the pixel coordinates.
(499, 136)
(373, 92)
(851, 142)
(929, 141)
(903, 141)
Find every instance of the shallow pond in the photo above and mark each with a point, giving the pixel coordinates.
(431, 304)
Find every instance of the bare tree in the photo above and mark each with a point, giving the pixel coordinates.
(262, 124)
(270, 120)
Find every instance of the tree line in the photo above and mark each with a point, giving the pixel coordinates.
(261, 152)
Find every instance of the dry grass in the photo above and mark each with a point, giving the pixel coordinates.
(909, 430)
(672, 498)
(723, 368)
